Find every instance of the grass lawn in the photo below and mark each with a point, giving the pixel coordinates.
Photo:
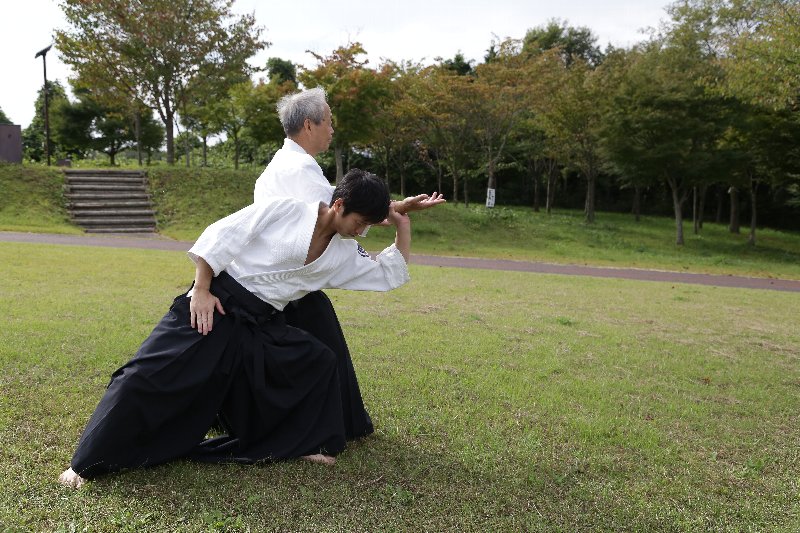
(502, 402)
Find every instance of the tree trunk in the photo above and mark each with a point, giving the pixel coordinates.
(455, 186)
(751, 240)
(637, 203)
(720, 205)
(491, 183)
(695, 215)
(702, 209)
(236, 149)
(187, 149)
(205, 150)
(733, 225)
(138, 128)
(677, 206)
(466, 193)
(591, 181)
(337, 155)
(551, 188)
(536, 201)
(440, 190)
(402, 183)
(169, 124)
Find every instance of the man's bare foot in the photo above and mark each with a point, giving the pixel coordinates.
(70, 478)
(320, 459)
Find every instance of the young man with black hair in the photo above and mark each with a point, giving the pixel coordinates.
(224, 347)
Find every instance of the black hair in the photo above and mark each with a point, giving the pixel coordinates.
(363, 193)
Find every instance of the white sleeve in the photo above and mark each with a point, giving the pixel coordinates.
(359, 272)
(225, 239)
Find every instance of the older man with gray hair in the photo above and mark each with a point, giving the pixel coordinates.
(294, 173)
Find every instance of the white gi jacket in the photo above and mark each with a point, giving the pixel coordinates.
(264, 246)
(293, 173)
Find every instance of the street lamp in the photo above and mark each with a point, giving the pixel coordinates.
(43, 53)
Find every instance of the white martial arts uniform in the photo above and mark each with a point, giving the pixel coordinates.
(293, 173)
(264, 247)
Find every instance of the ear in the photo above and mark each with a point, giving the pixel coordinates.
(338, 205)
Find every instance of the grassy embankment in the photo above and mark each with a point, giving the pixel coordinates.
(502, 403)
(189, 199)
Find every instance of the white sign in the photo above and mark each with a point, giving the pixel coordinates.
(489, 197)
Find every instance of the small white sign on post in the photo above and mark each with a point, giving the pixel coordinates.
(489, 197)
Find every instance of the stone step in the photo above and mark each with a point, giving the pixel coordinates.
(119, 212)
(124, 195)
(132, 229)
(106, 187)
(90, 221)
(103, 180)
(109, 203)
(101, 172)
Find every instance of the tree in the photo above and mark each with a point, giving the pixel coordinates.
(393, 137)
(353, 91)
(505, 92)
(154, 51)
(442, 104)
(761, 38)
(3, 118)
(572, 117)
(664, 122)
(573, 43)
(33, 137)
(281, 71)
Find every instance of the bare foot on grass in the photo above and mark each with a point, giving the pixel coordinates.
(319, 459)
(70, 478)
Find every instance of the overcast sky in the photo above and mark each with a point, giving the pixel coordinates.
(417, 30)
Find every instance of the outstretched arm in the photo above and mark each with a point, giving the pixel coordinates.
(402, 240)
(418, 203)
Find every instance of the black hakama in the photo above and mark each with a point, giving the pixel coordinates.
(275, 388)
(314, 313)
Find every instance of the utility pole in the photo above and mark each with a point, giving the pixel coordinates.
(43, 53)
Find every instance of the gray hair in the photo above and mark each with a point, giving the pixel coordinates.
(294, 109)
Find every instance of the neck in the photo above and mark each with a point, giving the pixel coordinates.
(304, 145)
(324, 227)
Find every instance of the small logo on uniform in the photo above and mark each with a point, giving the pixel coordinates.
(362, 252)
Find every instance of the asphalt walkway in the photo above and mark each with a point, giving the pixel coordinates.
(156, 242)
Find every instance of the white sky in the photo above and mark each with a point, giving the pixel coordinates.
(417, 30)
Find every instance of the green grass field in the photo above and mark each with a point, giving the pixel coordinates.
(502, 402)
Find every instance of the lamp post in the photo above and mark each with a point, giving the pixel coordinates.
(43, 53)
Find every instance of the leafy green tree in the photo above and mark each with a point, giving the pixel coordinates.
(354, 91)
(505, 87)
(573, 43)
(442, 104)
(33, 137)
(154, 51)
(281, 71)
(3, 118)
(663, 122)
(393, 137)
(459, 64)
(572, 115)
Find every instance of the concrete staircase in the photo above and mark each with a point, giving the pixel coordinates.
(109, 201)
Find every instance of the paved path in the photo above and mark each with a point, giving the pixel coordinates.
(156, 242)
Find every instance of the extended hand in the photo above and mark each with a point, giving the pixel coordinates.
(418, 203)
